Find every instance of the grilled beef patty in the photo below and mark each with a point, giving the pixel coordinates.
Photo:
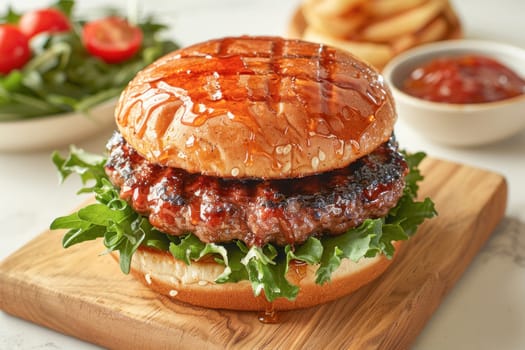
(253, 210)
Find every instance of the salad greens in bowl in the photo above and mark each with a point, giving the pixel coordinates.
(54, 66)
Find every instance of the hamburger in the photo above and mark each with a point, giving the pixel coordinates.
(248, 172)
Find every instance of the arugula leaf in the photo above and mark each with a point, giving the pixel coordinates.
(11, 16)
(238, 272)
(352, 245)
(63, 77)
(87, 165)
(265, 267)
(65, 6)
(113, 219)
(100, 214)
(309, 252)
(265, 274)
(414, 175)
(187, 249)
(91, 232)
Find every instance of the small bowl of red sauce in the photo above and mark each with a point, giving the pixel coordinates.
(460, 92)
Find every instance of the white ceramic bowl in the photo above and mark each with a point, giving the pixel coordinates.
(57, 130)
(454, 124)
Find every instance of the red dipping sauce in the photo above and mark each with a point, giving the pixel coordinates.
(464, 79)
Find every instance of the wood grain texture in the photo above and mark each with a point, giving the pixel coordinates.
(82, 293)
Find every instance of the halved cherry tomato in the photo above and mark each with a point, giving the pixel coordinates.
(112, 39)
(14, 48)
(48, 20)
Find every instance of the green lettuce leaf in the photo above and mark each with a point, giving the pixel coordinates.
(112, 219)
(122, 229)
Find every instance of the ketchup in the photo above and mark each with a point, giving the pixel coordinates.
(464, 79)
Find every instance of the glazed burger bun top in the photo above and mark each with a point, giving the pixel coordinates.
(256, 107)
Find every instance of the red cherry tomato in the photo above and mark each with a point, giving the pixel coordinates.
(43, 21)
(112, 39)
(14, 48)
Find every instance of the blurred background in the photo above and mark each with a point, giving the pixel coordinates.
(196, 20)
(470, 318)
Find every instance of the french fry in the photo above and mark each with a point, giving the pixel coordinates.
(433, 31)
(407, 22)
(375, 54)
(297, 25)
(436, 30)
(404, 42)
(452, 19)
(338, 26)
(331, 8)
(386, 8)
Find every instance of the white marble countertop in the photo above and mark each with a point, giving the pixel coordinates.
(485, 309)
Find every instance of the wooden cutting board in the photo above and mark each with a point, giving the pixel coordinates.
(82, 293)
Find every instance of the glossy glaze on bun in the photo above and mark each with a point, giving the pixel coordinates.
(194, 284)
(257, 107)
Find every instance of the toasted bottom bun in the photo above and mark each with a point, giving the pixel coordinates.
(194, 284)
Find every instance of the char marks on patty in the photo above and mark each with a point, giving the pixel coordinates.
(255, 211)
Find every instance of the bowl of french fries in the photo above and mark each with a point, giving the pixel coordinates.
(375, 30)
(489, 72)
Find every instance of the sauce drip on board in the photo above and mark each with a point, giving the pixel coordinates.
(268, 315)
(464, 79)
